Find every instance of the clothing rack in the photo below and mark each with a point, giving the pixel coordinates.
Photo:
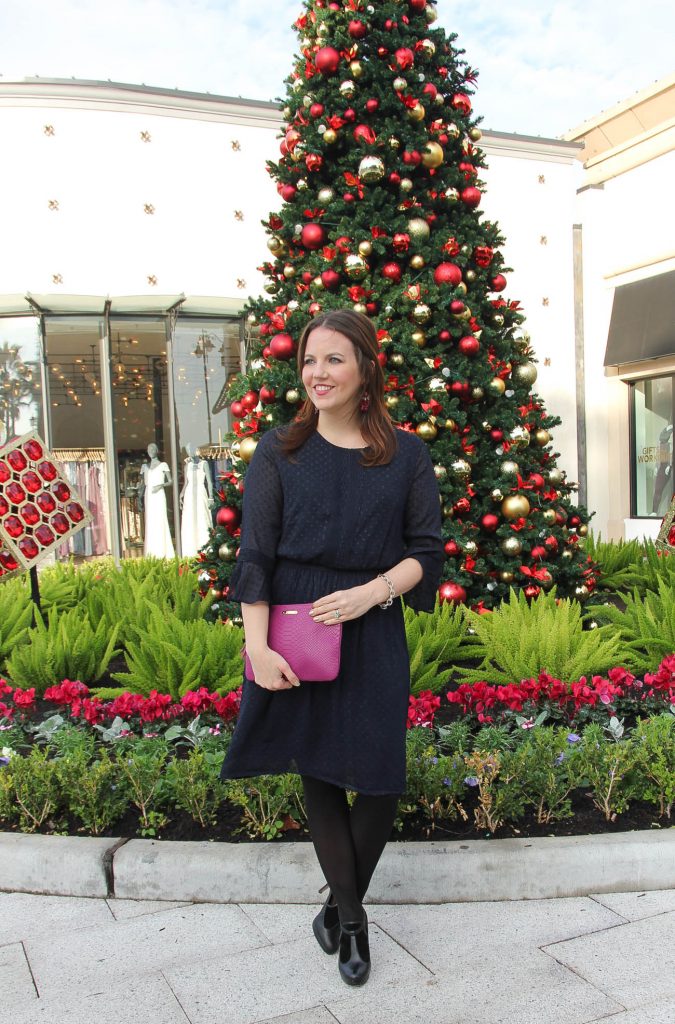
(78, 454)
(215, 451)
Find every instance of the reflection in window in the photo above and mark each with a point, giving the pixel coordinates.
(20, 388)
(653, 446)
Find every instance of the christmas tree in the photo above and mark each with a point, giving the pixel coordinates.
(380, 193)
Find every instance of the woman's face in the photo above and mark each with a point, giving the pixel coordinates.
(331, 373)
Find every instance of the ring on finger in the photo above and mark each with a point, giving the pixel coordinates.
(336, 613)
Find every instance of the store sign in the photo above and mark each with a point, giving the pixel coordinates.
(39, 508)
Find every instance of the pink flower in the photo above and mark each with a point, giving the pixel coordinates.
(198, 701)
(68, 691)
(4, 687)
(227, 707)
(422, 710)
(24, 698)
(5, 711)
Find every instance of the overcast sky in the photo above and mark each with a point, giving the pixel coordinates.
(545, 66)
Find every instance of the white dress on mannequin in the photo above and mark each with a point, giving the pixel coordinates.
(196, 521)
(158, 541)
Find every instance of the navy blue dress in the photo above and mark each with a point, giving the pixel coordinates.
(314, 523)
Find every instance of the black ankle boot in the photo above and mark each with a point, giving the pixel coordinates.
(326, 926)
(354, 958)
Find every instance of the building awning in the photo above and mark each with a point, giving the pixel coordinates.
(643, 321)
(122, 305)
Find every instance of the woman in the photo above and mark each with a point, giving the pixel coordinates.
(342, 511)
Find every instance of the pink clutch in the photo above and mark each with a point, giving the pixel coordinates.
(310, 648)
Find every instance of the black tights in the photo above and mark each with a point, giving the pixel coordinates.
(348, 841)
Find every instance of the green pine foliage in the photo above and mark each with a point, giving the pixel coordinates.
(174, 657)
(520, 639)
(16, 616)
(435, 641)
(645, 628)
(66, 646)
(380, 179)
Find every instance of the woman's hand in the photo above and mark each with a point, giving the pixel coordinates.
(271, 671)
(349, 603)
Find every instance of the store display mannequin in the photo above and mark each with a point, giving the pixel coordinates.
(663, 473)
(196, 500)
(156, 476)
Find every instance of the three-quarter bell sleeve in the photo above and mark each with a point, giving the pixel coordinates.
(423, 538)
(251, 579)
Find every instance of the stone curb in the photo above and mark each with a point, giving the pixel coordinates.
(472, 871)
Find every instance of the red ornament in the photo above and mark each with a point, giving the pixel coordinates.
(444, 337)
(228, 517)
(392, 272)
(33, 450)
(267, 395)
(471, 196)
(349, 114)
(452, 548)
(468, 346)
(282, 346)
(349, 197)
(462, 506)
(538, 552)
(17, 460)
(316, 110)
(461, 389)
(456, 307)
(417, 5)
(327, 60)
(249, 400)
(330, 279)
(372, 105)
(498, 283)
(574, 521)
(287, 192)
(497, 435)
(430, 90)
(364, 133)
(551, 543)
(405, 58)
(237, 410)
(312, 236)
(448, 273)
(460, 101)
(357, 29)
(536, 481)
(382, 358)
(489, 522)
(452, 592)
(531, 591)
(401, 242)
(483, 255)
(412, 158)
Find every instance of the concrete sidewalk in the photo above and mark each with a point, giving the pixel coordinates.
(66, 960)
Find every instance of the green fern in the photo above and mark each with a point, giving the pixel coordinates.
(65, 647)
(64, 586)
(519, 640)
(174, 657)
(16, 616)
(435, 640)
(620, 562)
(657, 566)
(646, 627)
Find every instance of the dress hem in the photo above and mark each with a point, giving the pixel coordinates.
(256, 773)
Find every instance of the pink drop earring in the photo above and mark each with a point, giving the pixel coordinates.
(364, 404)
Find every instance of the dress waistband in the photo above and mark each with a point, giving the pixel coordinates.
(296, 564)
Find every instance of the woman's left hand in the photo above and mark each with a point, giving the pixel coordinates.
(349, 603)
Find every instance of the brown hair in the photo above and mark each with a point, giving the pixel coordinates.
(376, 426)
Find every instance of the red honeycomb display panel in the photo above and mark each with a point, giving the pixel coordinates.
(39, 508)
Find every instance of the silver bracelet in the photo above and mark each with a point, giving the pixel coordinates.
(392, 592)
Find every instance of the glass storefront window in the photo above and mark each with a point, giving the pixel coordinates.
(75, 409)
(20, 384)
(206, 354)
(652, 454)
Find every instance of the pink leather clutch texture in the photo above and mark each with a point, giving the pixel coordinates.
(310, 648)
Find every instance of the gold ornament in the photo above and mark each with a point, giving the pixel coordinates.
(451, 195)
(432, 155)
(405, 185)
(428, 48)
(360, 307)
(448, 425)
(399, 84)
(393, 142)
(470, 547)
(286, 112)
(293, 305)
(318, 285)
(289, 270)
(440, 472)
(525, 373)
(453, 131)
(396, 359)
(461, 469)
(548, 515)
(356, 267)
(417, 262)
(325, 195)
(477, 394)
(582, 593)
(322, 30)
(247, 445)
(419, 337)
(356, 68)
(496, 494)
(545, 580)
(275, 245)
(582, 530)
(509, 468)
(519, 437)
(497, 386)
(391, 401)
(516, 506)
(226, 552)
(431, 14)
(511, 546)
(506, 577)
(461, 289)
(292, 396)
(421, 313)
(475, 134)
(271, 287)
(413, 292)
(436, 384)
(542, 437)
(329, 136)
(567, 553)
(234, 448)
(365, 247)
(371, 169)
(417, 112)
(348, 89)
(498, 320)
(555, 476)
(470, 275)
(252, 318)
(427, 431)
(301, 185)
(418, 229)
(448, 511)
